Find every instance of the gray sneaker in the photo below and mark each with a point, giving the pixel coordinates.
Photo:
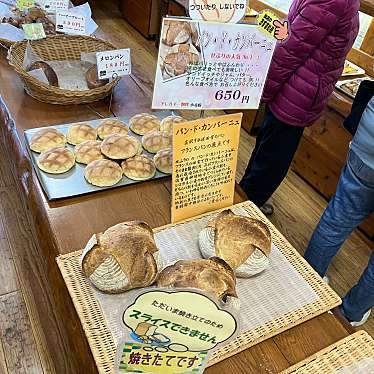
(364, 319)
(267, 209)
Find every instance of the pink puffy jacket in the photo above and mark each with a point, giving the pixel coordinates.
(307, 65)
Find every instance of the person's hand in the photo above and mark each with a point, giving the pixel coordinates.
(281, 30)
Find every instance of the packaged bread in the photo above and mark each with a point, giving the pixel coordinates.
(123, 257)
(92, 78)
(31, 15)
(243, 242)
(213, 276)
(48, 71)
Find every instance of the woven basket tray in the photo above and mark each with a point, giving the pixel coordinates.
(99, 334)
(59, 48)
(6, 43)
(347, 354)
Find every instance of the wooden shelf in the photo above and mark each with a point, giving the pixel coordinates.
(367, 6)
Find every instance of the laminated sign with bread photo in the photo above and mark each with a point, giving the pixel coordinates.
(179, 48)
(211, 65)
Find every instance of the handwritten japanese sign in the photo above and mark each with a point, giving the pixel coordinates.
(218, 66)
(271, 25)
(204, 165)
(113, 63)
(34, 31)
(143, 358)
(52, 5)
(218, 10)
(24, 4)
(181, 320)
(70, 23)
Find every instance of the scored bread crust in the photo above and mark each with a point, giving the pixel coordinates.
(237, 237)
(132, 246)
(212, 275)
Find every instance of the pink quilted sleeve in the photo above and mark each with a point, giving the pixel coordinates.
(312, 23)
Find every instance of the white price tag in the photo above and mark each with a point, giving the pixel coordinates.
(114, 63)
(70, 22)
(52, 5)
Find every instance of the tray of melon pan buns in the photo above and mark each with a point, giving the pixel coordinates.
(235, 255)
(79, 158)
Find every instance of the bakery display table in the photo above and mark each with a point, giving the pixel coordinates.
(64, 226)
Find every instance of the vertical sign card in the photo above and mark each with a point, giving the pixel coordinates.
(206, 65)
(116, 63)
(204, 165)
(70, 23)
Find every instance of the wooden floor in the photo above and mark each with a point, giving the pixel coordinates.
(297, 210)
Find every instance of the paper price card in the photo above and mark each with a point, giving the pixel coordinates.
(113, 63)
(24, 4)
(207, 65)
(34, 31)
(145, 358)
(218, 10)
(52, 5)
(70, 23)
(204, 165)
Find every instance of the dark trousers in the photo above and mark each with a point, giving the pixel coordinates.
(276, 145)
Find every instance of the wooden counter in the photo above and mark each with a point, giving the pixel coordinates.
(65, 225)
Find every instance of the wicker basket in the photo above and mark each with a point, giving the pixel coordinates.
(4, 43)
(59, 48)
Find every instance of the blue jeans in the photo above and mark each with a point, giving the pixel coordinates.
(351, 204)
